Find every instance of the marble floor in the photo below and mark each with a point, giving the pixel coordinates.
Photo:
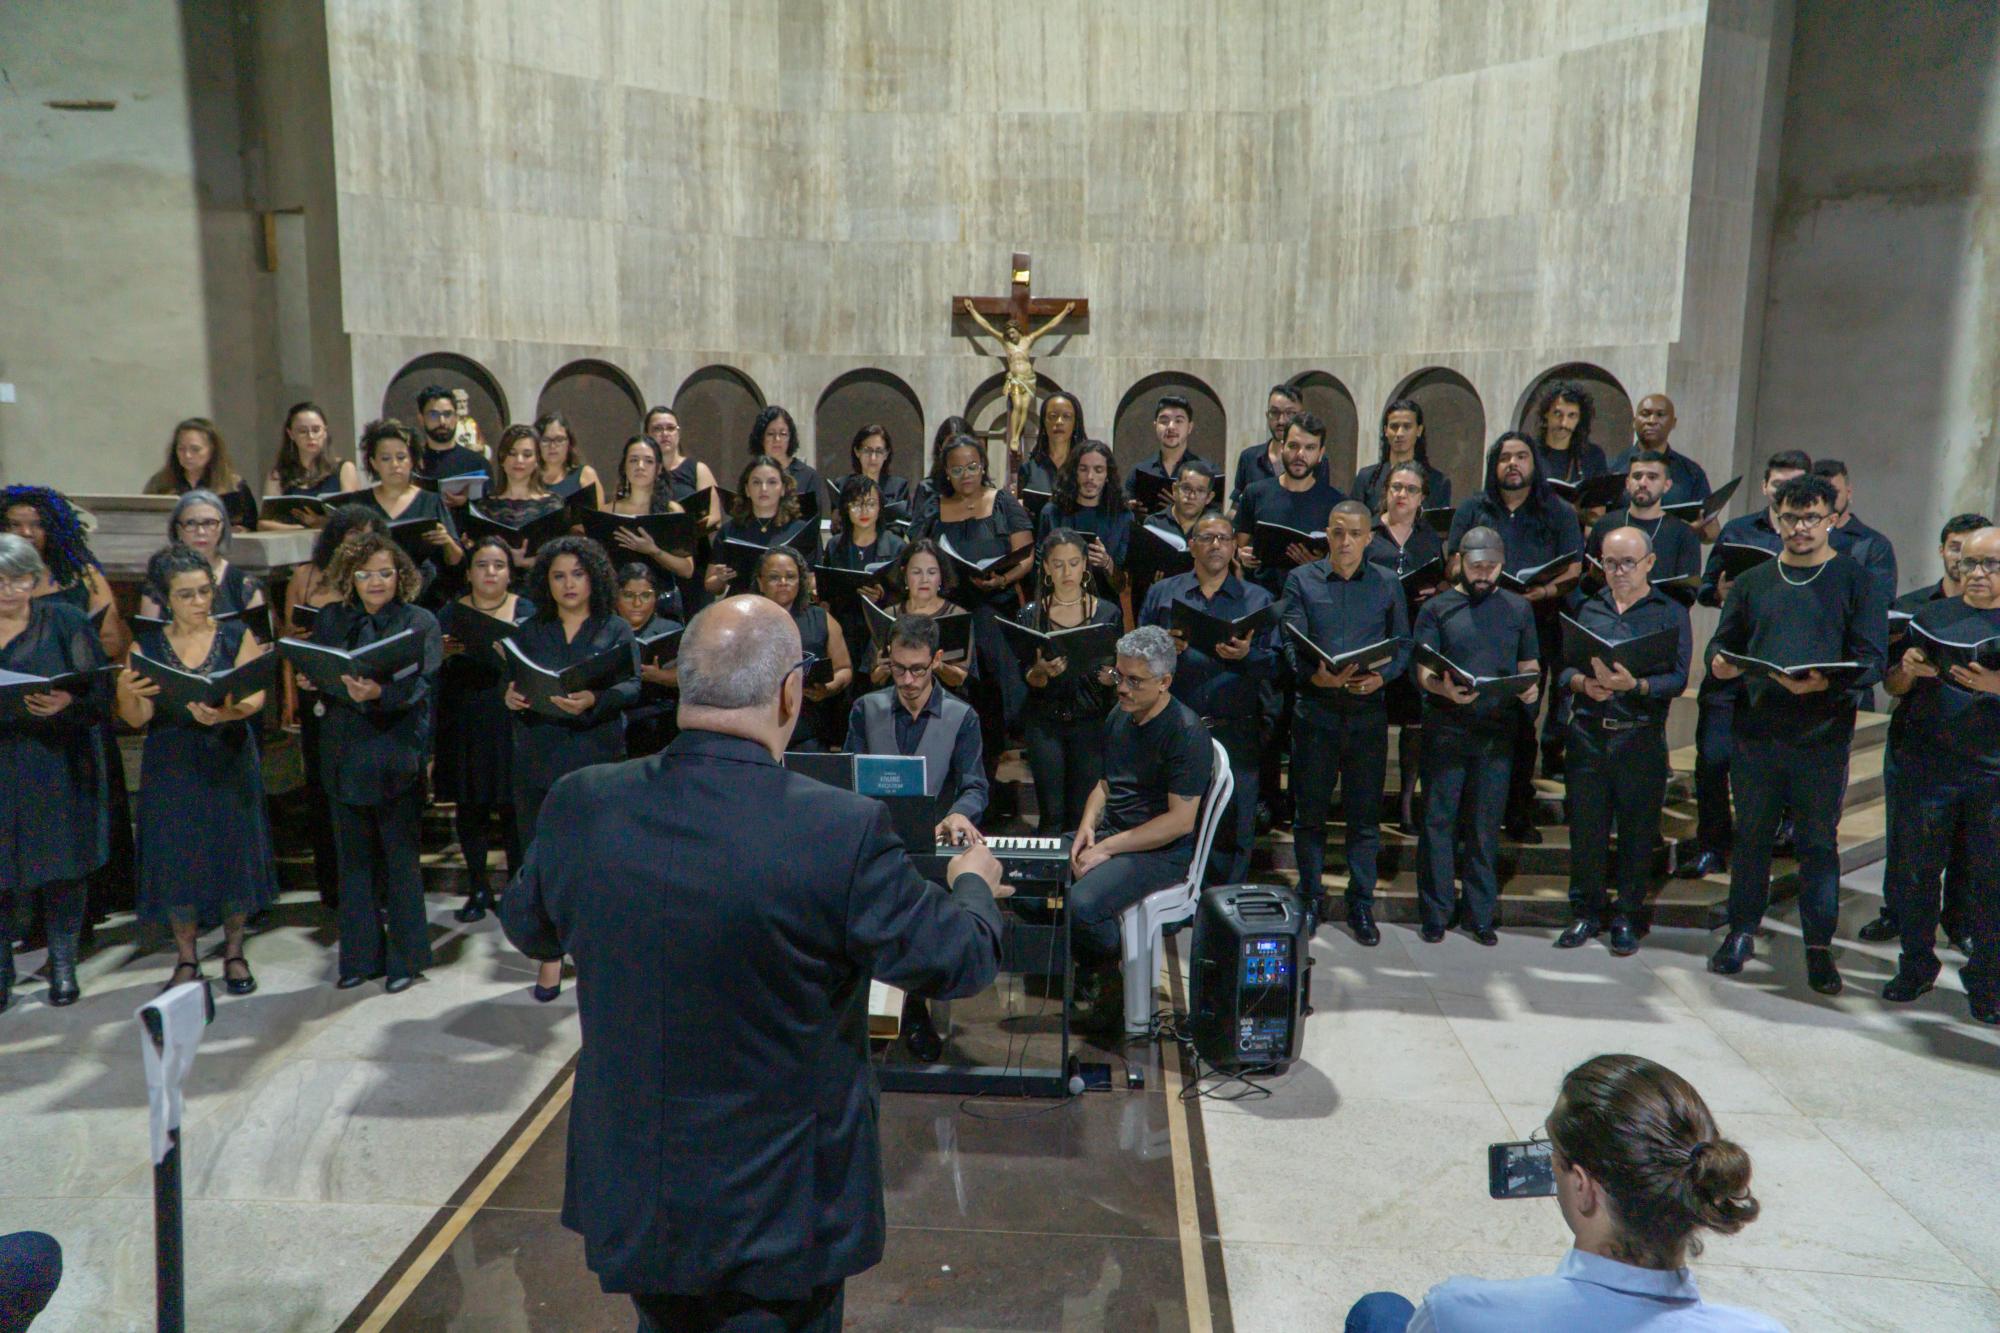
(328, 1131)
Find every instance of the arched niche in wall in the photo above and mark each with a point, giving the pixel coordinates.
(1132, 438)
(603, 407)
(869, 397)
(1454, 425)
(1329, 400)
(717, 405)
(452, 372)
(986, 409)
(1610, 405)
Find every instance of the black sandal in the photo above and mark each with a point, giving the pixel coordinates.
(242, 985)
(192, 966)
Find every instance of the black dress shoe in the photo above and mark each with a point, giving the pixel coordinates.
(474, 910)
(1962, 943)
(1525, 833)
(1362, 922)
(1431, 934)
(397, 985)
(1624, 940)
(1785, 841)
(920, 1036)
(1821, 974)
(1578, 933)
(1883, 927)
(1907, 984)
(1738, 947)
(1987, 1012)
(1487, 936)
(350, 982)
(1701, 865)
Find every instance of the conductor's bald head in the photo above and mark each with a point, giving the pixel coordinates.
(738, 664)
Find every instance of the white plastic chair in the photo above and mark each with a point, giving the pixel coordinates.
(1140, 925)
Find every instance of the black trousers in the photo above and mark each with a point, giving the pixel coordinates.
(1617, 779)
(1956, 916)
(381, 880)
(1236, 835)
(1096, 899)
(1465, 796)
(1067, 759)
(735, 1312)
(1714, 742)
(1278, 707)
(1352, 744)
(1521, 780)
(473, 824)
(1938, 806)
(62, 902)
(318, 806)
(1771, 776)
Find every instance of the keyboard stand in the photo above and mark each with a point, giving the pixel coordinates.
(993, 1080)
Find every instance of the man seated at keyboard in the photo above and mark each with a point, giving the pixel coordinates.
(915, 716)
(1136, 836)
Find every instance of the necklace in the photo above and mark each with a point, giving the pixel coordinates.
(1074, 601)
(1800, 583)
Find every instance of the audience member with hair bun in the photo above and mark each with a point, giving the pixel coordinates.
(372, 757)
(1640, 1171)
(310, 588)
(205, 855)
(575, 620)
(51, 767)
(473, 764)
(198, 460)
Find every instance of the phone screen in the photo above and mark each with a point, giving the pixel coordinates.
(1520, 1170)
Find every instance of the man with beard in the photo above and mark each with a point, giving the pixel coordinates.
(1299, 497)
(443, 456)
(1950, 792)
(1810, 605)
(1535, 527)
(1714, 735)
(1469, 738)
(1676, 550)
(1618, 741)
(1653, 423)
(1957, 911)
(1265, 458)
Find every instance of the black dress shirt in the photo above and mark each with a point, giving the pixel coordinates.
(1339, 615)
(1649, 615)
(1213, 686)
(1489, 637)
(1943, 720)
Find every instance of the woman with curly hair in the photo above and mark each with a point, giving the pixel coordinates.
(575, 620)
(765, 513)
(198, 460)
(204, 839)
(372, 755)
(51, 524)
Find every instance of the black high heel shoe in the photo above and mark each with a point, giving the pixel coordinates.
(242, 985)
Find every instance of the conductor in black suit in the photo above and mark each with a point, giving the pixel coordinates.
(725, 916)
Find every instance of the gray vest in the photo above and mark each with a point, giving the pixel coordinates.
(878, 734)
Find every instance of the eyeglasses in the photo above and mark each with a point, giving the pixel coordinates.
(902, 672)
(1187, 492)
(1211, 538)
(374, 574)
(1275, 412)
(1978, 564)
(1405, 488)
(965, 470)
(435, 415)
(17, 583)
(1620, 565)
(873, 451)
(201, 524)
(1801, 522)
(1134, 683)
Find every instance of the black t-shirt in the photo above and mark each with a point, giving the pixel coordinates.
(1268, 501)
(1143, 765)
(1489, 637)
(1834, 613)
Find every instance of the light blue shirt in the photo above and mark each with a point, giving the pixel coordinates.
(1589, 1294)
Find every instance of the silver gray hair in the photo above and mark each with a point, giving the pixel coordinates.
(19, 558)
(198, 496)
(1151, 645)
(737, 664)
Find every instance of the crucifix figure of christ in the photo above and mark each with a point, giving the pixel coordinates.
(1017, 341)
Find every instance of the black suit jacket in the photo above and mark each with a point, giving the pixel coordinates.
(725, 916)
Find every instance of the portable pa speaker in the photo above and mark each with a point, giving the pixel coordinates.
(1250, 985)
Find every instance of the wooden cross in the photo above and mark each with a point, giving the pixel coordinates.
(1020, 307)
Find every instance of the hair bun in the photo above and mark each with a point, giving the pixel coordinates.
(1719, 1175)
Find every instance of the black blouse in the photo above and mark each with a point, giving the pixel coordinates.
(981, 539)
(545, 748)
(1074, 694)
(371, 752)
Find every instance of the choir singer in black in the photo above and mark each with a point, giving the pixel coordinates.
(1948, 791)
(1811, 606)
(724, 1166)
(1342, 604)
(1618, 738)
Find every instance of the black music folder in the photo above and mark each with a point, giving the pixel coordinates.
(1513, 686)
(1592, 492)
(1033, 500)
(1439, 519)
(1372, 657)
(1739, 558)
(480, 633)
(257, 620)
(697, 502)
(16, 686)
(661, 649)
(540, 686)
(295, 509)
(969, 567)
(1944, 654)
(385, 660)
(1159, 553)
(1696, 512)
(1756, 668)
(1150, 490)
(180, 688)
(469, 485)
(954, 630)
(474, 523)
(673, 533)
(1087, 647)
(1269, 542)
(1203, 631)
(1648, 655)
(304, 618)
(1422, 581)
(1534, 576)
(742, 556)
(843, 587)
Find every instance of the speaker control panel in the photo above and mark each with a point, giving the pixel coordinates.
(1267, 960)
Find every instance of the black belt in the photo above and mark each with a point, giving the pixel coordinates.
(1613, 724)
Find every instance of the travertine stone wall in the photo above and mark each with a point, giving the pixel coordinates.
(1243, 190)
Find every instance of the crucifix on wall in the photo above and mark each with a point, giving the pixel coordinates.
(1017, 338)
